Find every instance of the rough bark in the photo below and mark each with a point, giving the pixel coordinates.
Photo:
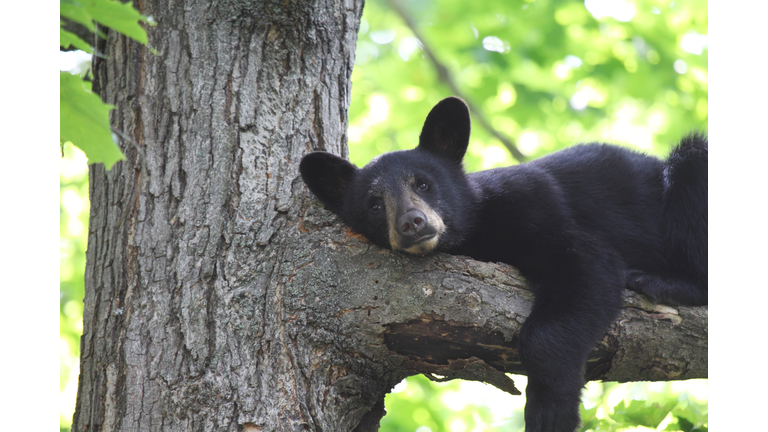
(221, 296)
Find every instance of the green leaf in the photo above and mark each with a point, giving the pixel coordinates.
(642, 413)
(121, 17)
(687, 426)
(691, 415)
(85, 121)
(589, 418)
(67, 38)
(76, 12)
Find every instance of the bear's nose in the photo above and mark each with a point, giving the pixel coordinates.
(411, 222)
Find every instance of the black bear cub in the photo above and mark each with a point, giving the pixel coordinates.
(580, 224)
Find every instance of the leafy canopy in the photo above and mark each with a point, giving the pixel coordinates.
(545, 73)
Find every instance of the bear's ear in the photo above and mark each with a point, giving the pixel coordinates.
(446, 130)
(327, 176)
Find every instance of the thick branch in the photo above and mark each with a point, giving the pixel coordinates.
(443, 315)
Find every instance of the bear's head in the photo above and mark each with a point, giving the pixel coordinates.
(414, 200)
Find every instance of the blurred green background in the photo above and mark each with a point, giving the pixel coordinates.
(545, 74)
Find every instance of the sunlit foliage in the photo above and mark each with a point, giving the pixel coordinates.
(546, 73)
(417, 404)
(73, 216)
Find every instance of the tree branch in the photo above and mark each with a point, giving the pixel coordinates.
(447, 78)
(459, 318)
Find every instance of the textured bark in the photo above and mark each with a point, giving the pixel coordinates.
(221, 296)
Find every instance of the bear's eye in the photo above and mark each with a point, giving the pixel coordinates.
(375, 208)
(422, 185)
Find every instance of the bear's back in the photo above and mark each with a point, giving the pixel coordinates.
(605, 191)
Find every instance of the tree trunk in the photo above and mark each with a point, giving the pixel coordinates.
(221, 296)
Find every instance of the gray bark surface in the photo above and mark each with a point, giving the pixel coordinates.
(221, 296)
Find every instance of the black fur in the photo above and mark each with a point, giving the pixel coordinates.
(580, 224)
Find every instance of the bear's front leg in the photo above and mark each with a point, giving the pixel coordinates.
(576, 301)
